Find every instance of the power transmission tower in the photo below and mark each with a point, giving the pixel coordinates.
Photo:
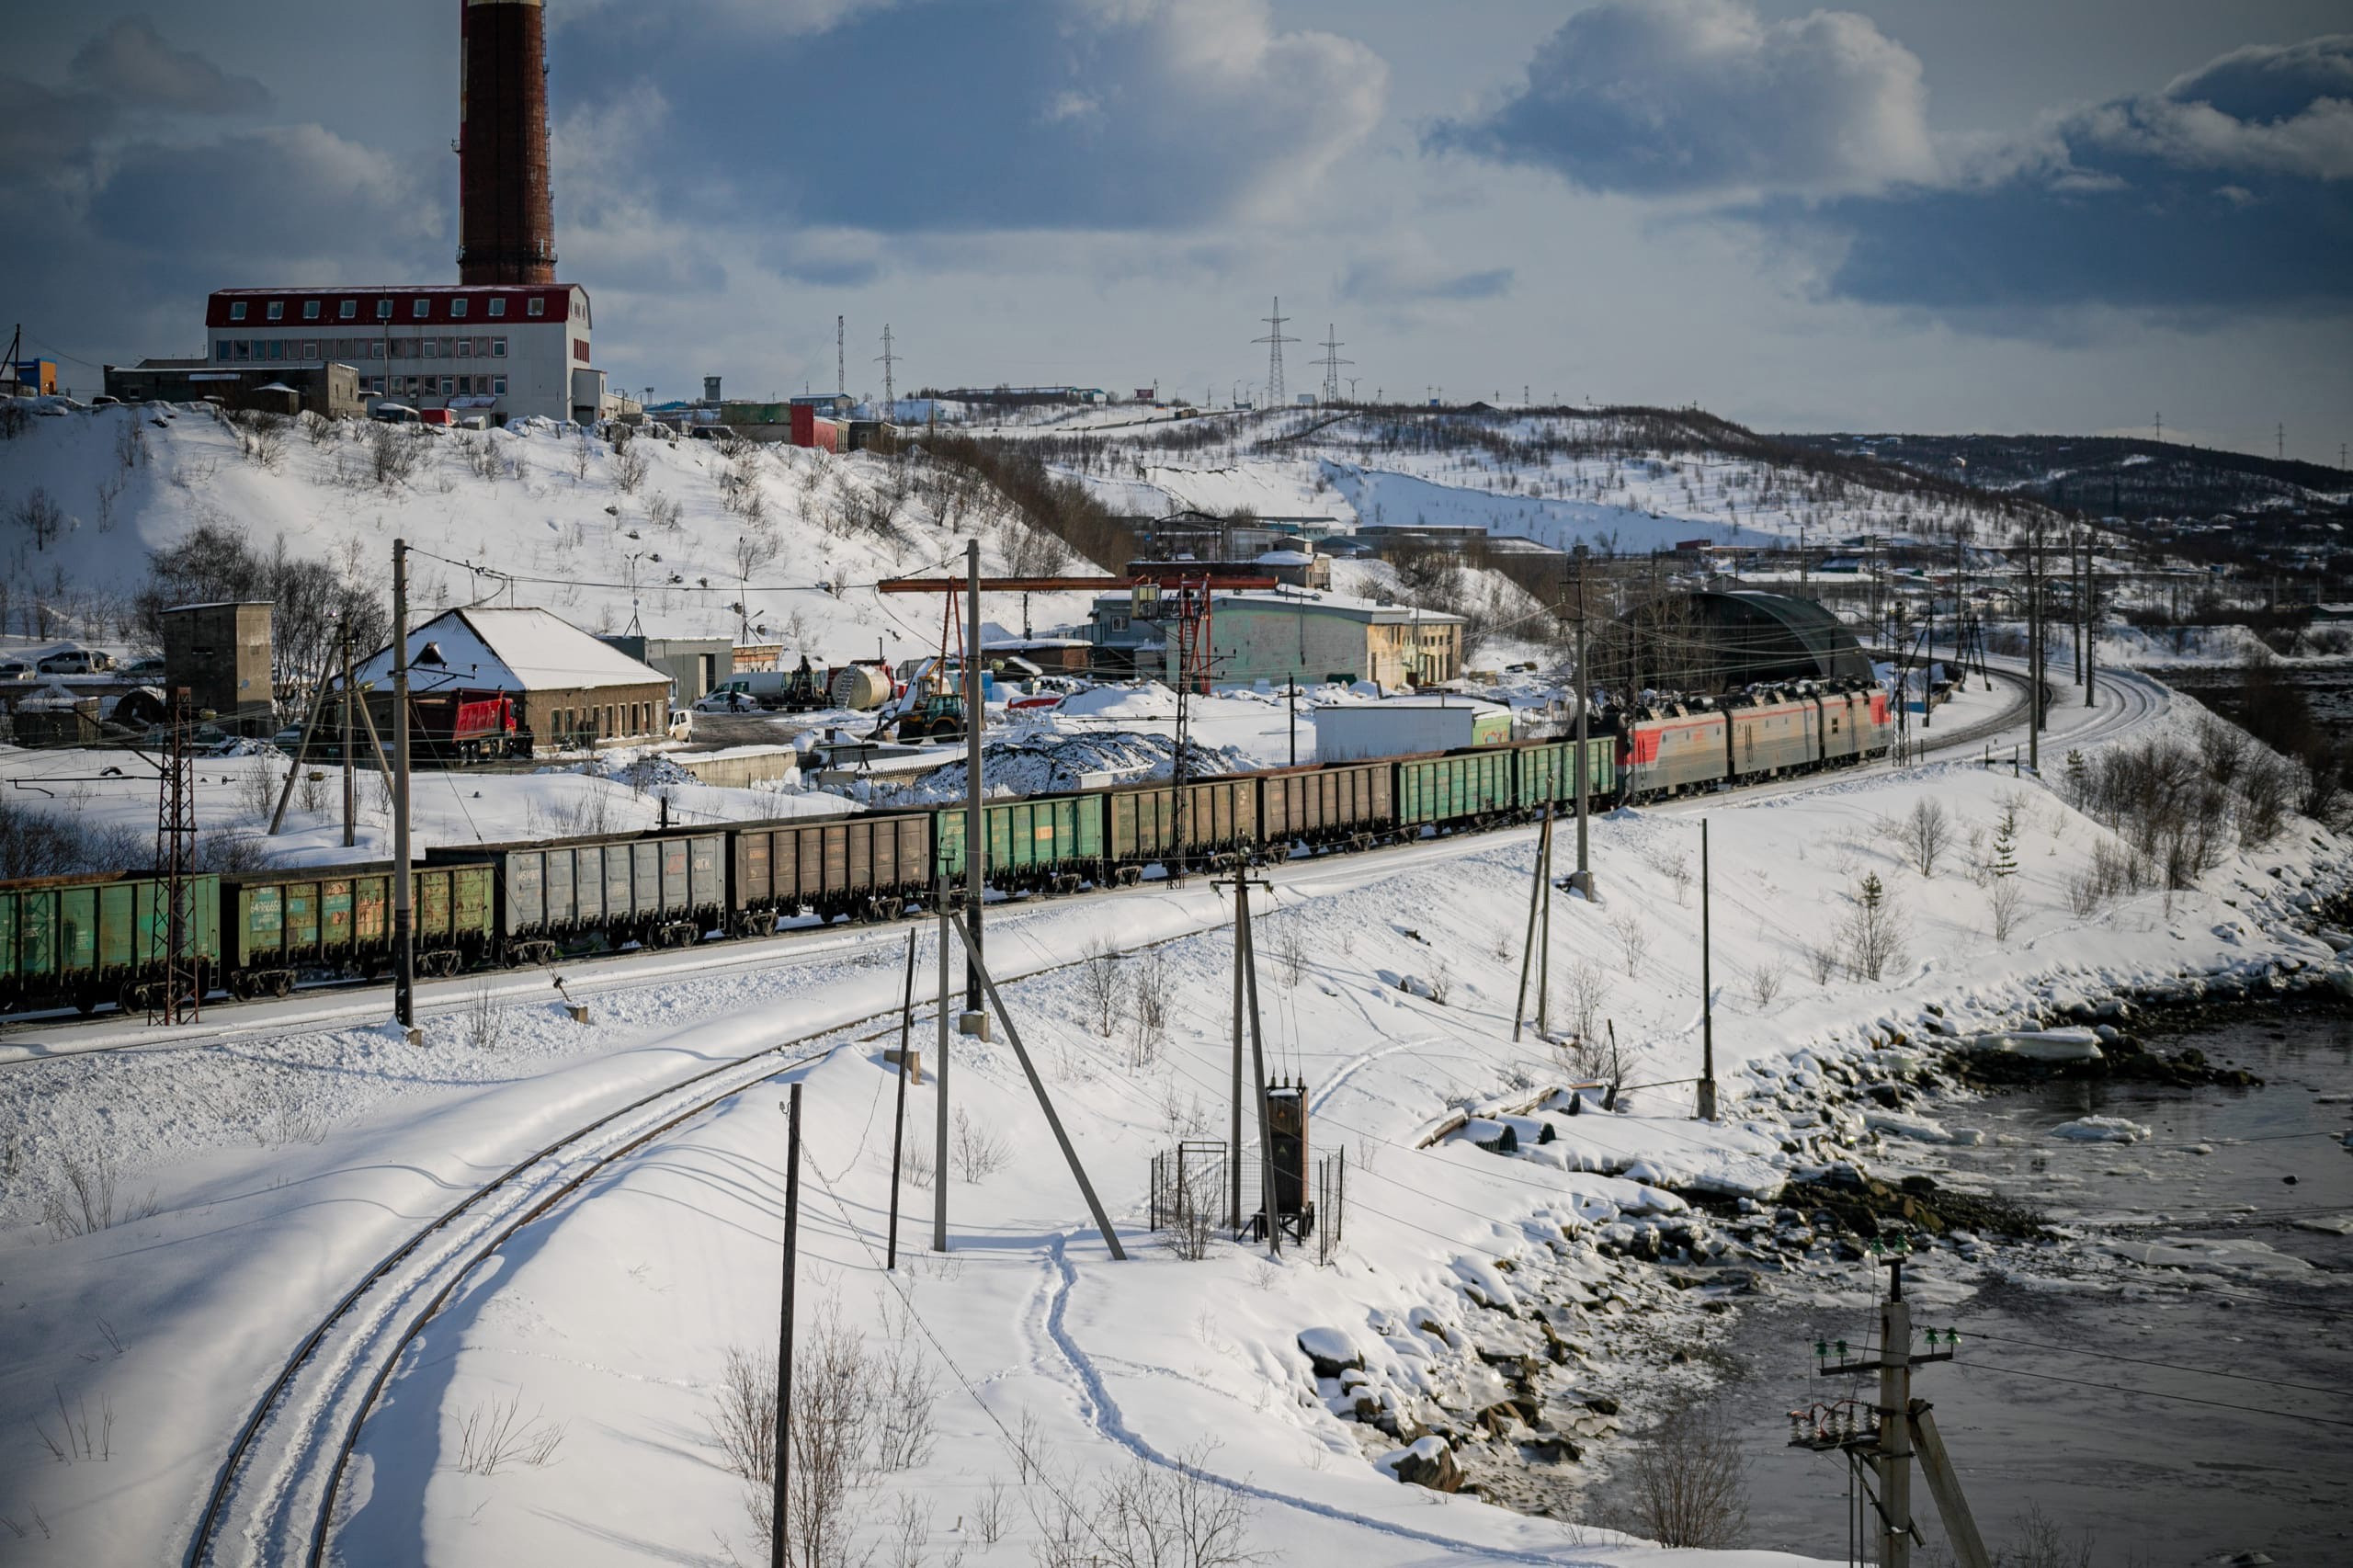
(183, 990)
(2283, 443)
(1274, 340)
(888, 359)
(841, 358)
(2161, 426)
(1332, 363)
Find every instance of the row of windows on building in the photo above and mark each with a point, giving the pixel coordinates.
(419, 308)
(448, 386)
(573, 724)
(229, 350)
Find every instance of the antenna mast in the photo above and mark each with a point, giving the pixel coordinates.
(1275, 341)
(841, 361)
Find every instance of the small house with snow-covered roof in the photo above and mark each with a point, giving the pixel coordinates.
(570, 688)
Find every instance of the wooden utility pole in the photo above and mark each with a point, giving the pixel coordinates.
(899, 1117)
(2034, 703)
(781, 1500)
(404, 875)
(1045, 1102)
(1544, 929)
(2091, 620)
(1258, 1076)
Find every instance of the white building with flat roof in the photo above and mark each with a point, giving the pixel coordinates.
(505, 351)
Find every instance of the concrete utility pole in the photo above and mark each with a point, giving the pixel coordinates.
(939, 1124)
(1233, 1127)
(1582, 880)
(403, 876)
(2091, 622)
(779, 1528)
(1896, 1531)
(1706, 990)
(975, 1021)
(350, 785)
(1539, 911)
(2033, 655)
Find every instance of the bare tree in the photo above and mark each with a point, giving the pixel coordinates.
(1926, 833)
(1633, 941)
(1689, 1481)
(1874, 934)
(1102, 985)
(1145, 1515)
(629, 468)
(40, 517)
(1589, 991)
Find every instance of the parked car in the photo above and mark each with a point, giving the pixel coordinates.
(143, 669)
(75, 662)
(727, 699)
(15, 669)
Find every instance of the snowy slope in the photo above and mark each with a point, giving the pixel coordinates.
(532, 515)
(282, 1168)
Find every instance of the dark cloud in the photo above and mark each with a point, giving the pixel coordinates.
(131, 64)
(1079, 114)
(1666, 97)
(2227, 190)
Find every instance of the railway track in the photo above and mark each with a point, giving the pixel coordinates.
(275, 1498)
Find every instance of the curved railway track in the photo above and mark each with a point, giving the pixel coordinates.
(276, 1496)
(274, 1499)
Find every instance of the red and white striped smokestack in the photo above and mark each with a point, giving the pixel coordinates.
(506, 211)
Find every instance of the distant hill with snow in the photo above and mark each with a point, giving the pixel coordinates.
(670, 534)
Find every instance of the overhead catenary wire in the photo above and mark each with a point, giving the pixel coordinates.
(2167, 1366)
(1999, 1370)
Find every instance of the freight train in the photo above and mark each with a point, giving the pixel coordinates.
(81, 941)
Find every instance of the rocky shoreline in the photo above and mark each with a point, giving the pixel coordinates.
(1617, 1313)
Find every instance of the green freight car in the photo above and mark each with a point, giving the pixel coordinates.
(1459, 789)
(338, 920)
(1547, 774)
(80, 940)
(1044, 844)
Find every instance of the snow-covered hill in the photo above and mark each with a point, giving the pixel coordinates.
(670, 533)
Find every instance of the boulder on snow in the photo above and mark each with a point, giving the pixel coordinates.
(1427, 1461)
(1330, 1351)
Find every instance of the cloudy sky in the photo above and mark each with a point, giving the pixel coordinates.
(2009, 215)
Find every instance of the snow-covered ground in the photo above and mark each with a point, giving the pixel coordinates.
(564, 517)
(268, 1167)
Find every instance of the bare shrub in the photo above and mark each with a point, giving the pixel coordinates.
(831, 1413)
(1145, 1516)
(742, 1417)
(662, 511)
(392, 455)
(1765, 983)
(910, 1532)
(2007, 901)
(485, 1020)
(1927, 834)
(1599, 1058)
(2039, 1542)
(988, 1513)
(1587, 991)
(76, 1440)
(1190, 1200)
(40, 517)
(1633, 941)
(257, 789)
(978, 1152)
(88, 1203)
(905, 1390)
(915, 1163)
(1689, 1481)
(2267, 787)
(1288, 943)
(630, 467)
(1103, 986)
(261, 438)
(1154, 995)
(310, 790)
(1873, 939)
(496, 1434)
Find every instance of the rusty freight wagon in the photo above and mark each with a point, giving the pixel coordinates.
(659, 890)
(1346, 804)
(338, 920)
(871, 868)
(1209, 821)
(78, 941)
